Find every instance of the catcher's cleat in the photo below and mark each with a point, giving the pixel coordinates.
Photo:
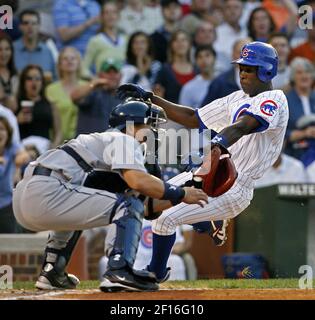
(50, 279)
(129, 280)
(108, 286)
(218, 232)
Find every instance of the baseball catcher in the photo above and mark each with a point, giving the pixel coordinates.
(92, 181)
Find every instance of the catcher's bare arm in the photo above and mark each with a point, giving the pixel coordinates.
(153, 187)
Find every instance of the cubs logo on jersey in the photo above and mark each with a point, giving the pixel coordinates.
(240, 111)
(268, 107)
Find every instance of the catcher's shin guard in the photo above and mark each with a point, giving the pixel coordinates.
(128, 235)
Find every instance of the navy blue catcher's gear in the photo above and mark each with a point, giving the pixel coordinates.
(260, 55)
(128, 234)
(139, 112)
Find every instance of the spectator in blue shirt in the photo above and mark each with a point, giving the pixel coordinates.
(301, 101)
(29, 49)
(11, 156)
(97, 98)
(76, 22)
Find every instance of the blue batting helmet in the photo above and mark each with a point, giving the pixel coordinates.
(261, 55)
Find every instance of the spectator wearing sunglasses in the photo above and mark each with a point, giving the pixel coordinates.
(29, 49)
(36, 115)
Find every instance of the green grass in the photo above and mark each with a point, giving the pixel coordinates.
(198, 284)
(235, 284)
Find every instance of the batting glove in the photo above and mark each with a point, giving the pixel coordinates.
(133, 90)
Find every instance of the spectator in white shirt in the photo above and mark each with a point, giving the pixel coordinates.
(228, 33)
(9, 115)
(285, 170)
(280, 42)
(138, 17)
(310, 171)
(194, 91)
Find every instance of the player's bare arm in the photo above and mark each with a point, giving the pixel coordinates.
(245, 125)
(153, 187)
(181, 114)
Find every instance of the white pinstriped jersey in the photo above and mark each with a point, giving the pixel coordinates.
(253, 154)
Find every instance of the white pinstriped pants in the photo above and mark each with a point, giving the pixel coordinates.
(226, 206)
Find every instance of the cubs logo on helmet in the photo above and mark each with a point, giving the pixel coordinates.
(261, 55)
(245, 53)
(268, 108)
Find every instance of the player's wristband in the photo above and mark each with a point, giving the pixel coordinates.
(220, 139)
(173, 193)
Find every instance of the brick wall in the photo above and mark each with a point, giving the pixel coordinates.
(26, 266)
(24, 253)
(95, 252)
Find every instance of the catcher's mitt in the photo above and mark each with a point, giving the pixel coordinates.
(218, 172)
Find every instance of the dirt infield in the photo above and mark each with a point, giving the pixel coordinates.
(195, 294)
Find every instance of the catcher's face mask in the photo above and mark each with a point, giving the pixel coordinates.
(156, 117)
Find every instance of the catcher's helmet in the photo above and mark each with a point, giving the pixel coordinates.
(139, 112)
(261, 55)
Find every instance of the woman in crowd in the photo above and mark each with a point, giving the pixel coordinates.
(108, 43)
(8, 74)
(58, 93)
(301, 102)
(36, 115)
(260, 25)
(141, 68)
(11, 156)
(178, 70)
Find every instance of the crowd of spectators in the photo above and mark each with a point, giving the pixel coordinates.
(59, 83)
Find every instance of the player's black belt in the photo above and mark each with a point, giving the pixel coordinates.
(41, 171)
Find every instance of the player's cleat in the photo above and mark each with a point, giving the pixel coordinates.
(166, 277)
(218, 231)
(50, 279)
(129, 280)
(160, 280)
